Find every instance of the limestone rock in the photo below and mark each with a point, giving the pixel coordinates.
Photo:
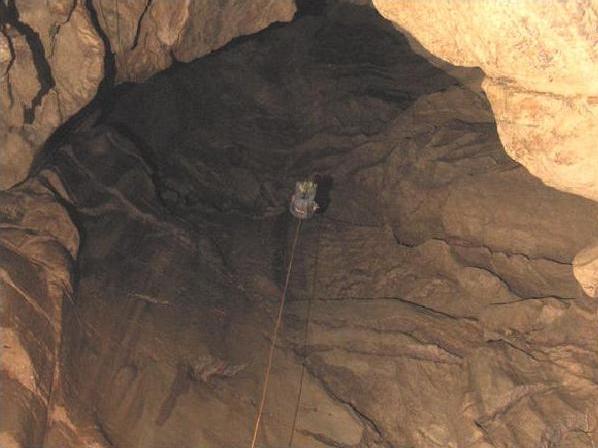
(585, 268)
(38, 244)
(52, 56)
(445, 305)
(540, 62)
(61, 55)
(147, 36)
(77, 62)
(445, 311)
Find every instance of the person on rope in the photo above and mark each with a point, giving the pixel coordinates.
(303, 203)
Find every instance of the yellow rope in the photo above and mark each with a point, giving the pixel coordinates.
(274, 337)
(306, 335)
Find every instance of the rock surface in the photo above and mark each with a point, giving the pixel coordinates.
(38, 246)
(55, 55)
(585, 268)
(539, 59)
(147, 36)
(56, 63)
(541, 65)
(445, 309)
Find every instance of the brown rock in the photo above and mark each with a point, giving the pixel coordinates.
(145, 36)
(6, 56)
(58, 63)
(444, 313)
(77, 62)
(585, 268)
(17, 152)
(540, 62)
(57, 68)
(38, 243)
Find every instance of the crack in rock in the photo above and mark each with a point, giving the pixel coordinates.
(43, 70)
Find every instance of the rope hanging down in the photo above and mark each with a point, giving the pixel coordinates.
(302, 206)
(274, 337)
(306, 335)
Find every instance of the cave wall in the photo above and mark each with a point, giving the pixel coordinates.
(38, 247)
(55, 55)
(539, 60)
(470, 304)
(446, 311)
(541, 63)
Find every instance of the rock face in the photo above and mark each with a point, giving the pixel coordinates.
(540, 61)
(585, 268)
(38, 246)
(54, 56)
(55, 62)
(146, 36)
(445, 310)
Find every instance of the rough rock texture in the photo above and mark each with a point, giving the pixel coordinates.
(38, 245)
(54, 55)
(146, 36)
(585, 268)
(55, 64)
(541, 65)
(540, 60)
(445, 309)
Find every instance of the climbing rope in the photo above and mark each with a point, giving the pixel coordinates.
(275, 336)
(306, 333)
(302, 206)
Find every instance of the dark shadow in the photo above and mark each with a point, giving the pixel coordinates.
(310, 7)
(325, 184)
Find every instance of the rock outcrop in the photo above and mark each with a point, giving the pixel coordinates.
(55, 55)
(38, 248)
(541, 65)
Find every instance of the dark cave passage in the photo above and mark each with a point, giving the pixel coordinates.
(444, 306)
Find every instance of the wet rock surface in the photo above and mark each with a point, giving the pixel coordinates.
(444, 307)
